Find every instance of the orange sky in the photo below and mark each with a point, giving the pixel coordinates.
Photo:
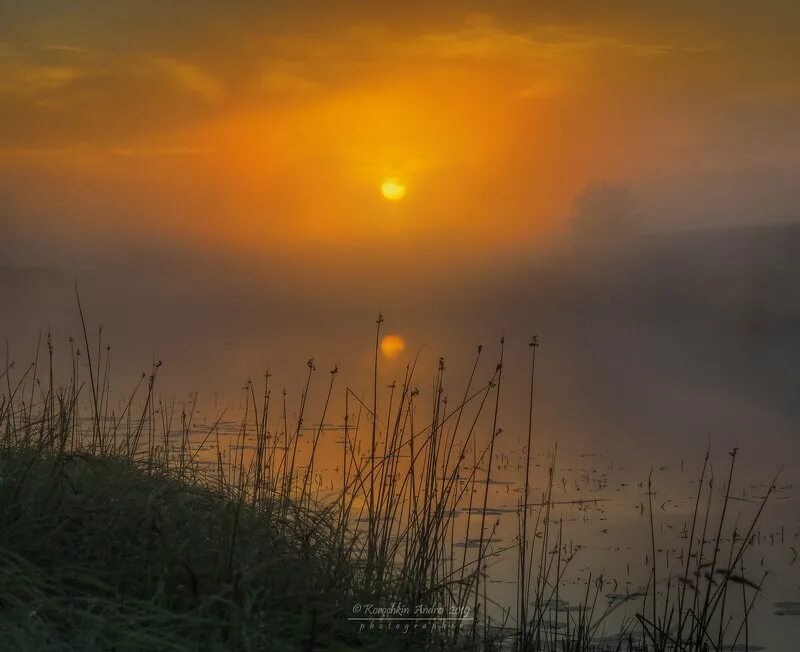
(231, 125)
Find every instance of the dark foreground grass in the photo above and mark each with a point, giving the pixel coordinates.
(97, 554)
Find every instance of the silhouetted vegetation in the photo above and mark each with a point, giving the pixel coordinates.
(124, 528)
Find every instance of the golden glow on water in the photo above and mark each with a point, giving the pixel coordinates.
(393, 189)
(392, 345)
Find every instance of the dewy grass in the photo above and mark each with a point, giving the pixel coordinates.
(114, 537)
(100, 555)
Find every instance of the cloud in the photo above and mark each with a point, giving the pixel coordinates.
(286, 77)
(35, 79)
(542, 44)
(158, 152)
(191, 78)
(65, 48)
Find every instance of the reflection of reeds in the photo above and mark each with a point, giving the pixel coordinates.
(390, 532)
(701, 624)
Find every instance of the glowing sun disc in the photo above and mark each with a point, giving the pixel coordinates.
(392, 345)
(393, 189)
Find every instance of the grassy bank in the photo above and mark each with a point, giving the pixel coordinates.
(101, 554)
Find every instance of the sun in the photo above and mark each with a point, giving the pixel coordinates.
(391, 345)
(393, 189)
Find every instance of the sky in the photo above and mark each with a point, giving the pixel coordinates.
(262, 128)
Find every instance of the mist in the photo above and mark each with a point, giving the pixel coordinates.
(649, 341)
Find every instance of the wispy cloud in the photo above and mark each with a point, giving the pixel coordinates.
(149, 151)
(71, 49)
(32, 79)
(191, 78)
(545, 43)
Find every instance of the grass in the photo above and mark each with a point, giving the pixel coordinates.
(120, 533)
(101, 554)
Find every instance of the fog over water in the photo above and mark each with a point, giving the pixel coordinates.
(666, 338)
